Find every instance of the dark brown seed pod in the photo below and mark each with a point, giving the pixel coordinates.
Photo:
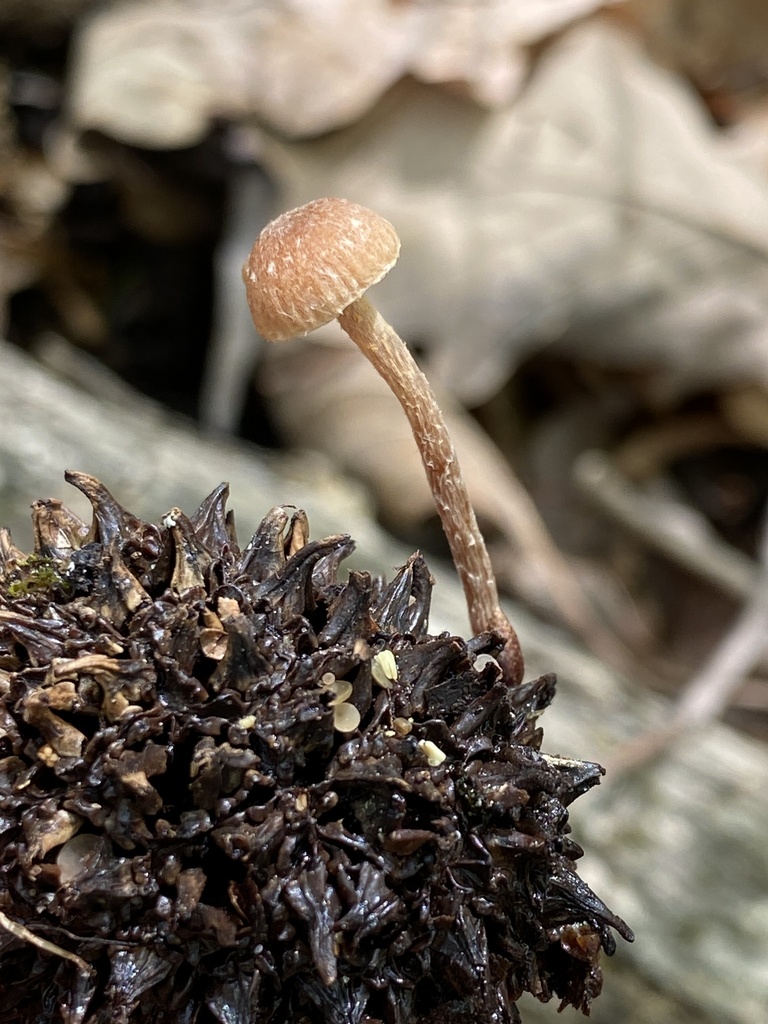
(237, 786)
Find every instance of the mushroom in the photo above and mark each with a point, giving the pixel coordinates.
(312, 265)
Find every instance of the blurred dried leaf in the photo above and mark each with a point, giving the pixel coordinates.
(154, 72)
(484, 45)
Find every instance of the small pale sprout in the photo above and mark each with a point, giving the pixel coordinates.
(482, 660)
(434, 755)
(343, 690)
(47, 755)
(384, 669)
(169, 521)
(401, 726)
(247, 722)
(340, 688)
(346, 717)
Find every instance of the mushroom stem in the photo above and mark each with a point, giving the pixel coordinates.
(390, 356)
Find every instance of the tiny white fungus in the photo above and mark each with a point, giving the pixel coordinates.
(384, 669)
(434, 755)
(346, 717)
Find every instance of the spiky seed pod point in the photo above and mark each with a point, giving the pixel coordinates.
(236, 788)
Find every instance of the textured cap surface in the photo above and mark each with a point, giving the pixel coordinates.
(309, 264)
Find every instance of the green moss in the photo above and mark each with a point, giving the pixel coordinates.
(37, 574)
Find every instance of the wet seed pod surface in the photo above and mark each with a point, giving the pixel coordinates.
(239, 786)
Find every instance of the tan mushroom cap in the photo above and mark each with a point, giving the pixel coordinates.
(309, 264)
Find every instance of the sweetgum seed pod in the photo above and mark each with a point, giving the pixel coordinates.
(198, 838)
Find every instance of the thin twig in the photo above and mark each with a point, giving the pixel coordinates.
(23, 933)
(712, 688)
(667, 526)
